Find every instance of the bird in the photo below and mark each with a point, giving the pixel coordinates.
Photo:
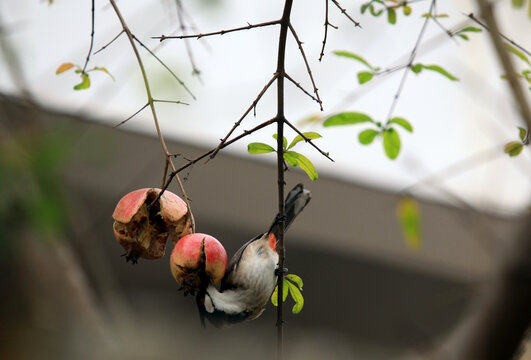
(251, 275)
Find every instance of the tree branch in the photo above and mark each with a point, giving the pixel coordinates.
(151, 103)
(200, 157)
(302, 89)
(222, 32)
(325, 154)
(409, 63)
(237, 123)
(308, 69)
(91, 40)
(477, 21)
(344, 12)
(165, 66)
(516, 89)
(281, 71)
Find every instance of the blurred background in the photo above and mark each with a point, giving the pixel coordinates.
(369, 294)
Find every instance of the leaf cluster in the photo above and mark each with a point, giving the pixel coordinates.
(390, 137)
(291, 284)
(390, 7)
(85, 77)
(291, 157)
(514, 148)
(367, 75)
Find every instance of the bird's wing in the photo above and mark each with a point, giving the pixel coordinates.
(233, 264)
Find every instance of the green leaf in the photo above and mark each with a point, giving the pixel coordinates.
(418, 67)
(284, 140)
(274, 296)
(463, 36)
(441, 16)
(84, 84)
(367, 136)
(522, 133)
(408, 215)
(350, 55)
(391, 143)
(297, 297)
(517, 52)
(375, 12)
(513, 148)
(391, 16)
(302, 162)
(364, 7)
(97, 68)
(309, 135)
(259, 148)
(64, 67)
(441, 71)
(518, 3)
(407, 10)
(296, 279)
(347, 118)
(470, 29)
(290, 158)
(364, 76)
(427, 15)
(402, 122)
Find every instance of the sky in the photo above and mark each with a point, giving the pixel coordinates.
(460, 127)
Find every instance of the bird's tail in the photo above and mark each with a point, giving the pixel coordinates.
(296, 201)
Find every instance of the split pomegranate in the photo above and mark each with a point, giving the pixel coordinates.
(196, 260)
(143, 228)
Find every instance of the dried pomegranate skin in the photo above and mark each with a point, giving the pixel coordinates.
(196, 259)
(142, 226)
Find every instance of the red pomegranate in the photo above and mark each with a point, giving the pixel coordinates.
(143, 226)
(196, 260)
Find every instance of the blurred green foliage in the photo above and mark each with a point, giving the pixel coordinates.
(31, 161)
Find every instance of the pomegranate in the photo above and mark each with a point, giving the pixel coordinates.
(143, 228)
(196, 260)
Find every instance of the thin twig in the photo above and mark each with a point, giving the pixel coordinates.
(429, 44)
(445, 30)
(477, 21)
(308, 69)
(301, 88)
(180, 17)
(151, 103)
(222, 32)
(91, 40)
(132, 116)
(326, 24)
(409, 63)
(165, 66)
(110, 42)
(344, 12)
(237, 123)
(170, 101)
(309, 141)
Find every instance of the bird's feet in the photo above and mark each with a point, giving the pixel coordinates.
(279, 271)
